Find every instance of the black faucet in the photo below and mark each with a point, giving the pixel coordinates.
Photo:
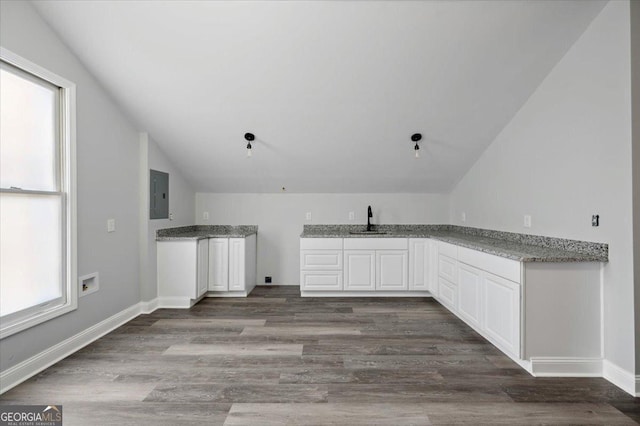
(369, 216)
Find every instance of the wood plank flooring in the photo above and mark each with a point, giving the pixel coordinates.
(275, 358)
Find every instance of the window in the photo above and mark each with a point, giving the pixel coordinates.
(37, 195)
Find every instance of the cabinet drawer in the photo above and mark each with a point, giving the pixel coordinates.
(376, 244)
(501, 266)
(447, 268)
(320, 243)
(447, 294)
(321, 280)
(321, 259)
(448, 249)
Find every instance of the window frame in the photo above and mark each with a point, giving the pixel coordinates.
(66, 164)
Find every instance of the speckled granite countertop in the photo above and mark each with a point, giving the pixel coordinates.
(197, 232)
(522, 247)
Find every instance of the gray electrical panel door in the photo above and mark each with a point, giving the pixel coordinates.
(159, 203)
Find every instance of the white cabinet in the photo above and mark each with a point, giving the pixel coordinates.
(391, 270)
(203, 267)
(359, 270)
(236, 264)
(187, 269)
(469, 287)
(447, 294)
(321, 264)
(501, 313)
(423, 265)
(448, 268)
(433, 267)
(419, 271)
(469, 295)
(182, 271)
(368, 266)
(321, 280)
(218, 264)
(232, 265)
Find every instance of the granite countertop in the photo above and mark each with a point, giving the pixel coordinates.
(521, 247)
(198, 232)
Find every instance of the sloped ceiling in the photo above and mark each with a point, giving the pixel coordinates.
(332, 90)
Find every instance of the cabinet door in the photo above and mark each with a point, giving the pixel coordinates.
(419, 264)
(433, 268)
(469, 294)
(359, 270)
(391, 270)
(236, 264)
(501, 313)
(218, 264)
(203, 267)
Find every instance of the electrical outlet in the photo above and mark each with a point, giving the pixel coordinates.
(527, 221)
(595, 220)
(463, 217)
(267, 280)
(111, 225)
(205, 215)
(352, 216)
(170, 216)
(308, 216)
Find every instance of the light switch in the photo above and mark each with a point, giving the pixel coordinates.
(527, 221)
(111, 225)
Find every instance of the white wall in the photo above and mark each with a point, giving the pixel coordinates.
(107, 167)
(280, 218)
(565, 156)
(635, 108)
(181, 206)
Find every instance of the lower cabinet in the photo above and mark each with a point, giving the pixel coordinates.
(371, 265)
(182, 270)
(470, 295)
(391, 270)
(501, 312)
(487, 302)
(203, 267)
(321, 264)
(187, 269)
(359, 270)
(237, 277)
(321, 280)
(218, 261)
(419, 264)
(447, 293)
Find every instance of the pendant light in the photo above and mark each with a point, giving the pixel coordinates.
(249, 137)
(416, 137)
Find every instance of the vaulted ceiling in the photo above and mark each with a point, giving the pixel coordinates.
(332, 90)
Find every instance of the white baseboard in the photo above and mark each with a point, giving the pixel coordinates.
(227, 294)
(149, 306)
(566, 367)
(365, 294)
(175, 302)
(621, 378)
(32, 366)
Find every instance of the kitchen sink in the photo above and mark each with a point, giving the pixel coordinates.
(368, 232)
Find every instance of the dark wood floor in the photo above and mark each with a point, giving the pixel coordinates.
(276, 358)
